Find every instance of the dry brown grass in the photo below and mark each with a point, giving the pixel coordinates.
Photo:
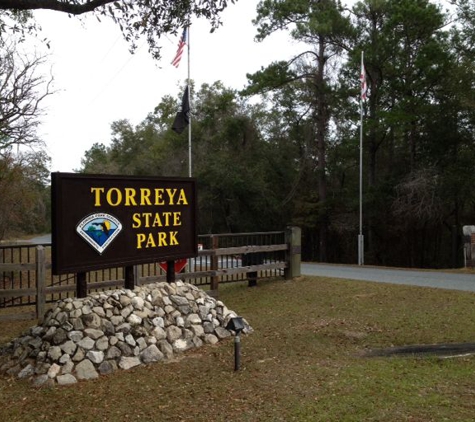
(303, 363)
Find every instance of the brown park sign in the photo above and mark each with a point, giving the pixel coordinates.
(102, 221)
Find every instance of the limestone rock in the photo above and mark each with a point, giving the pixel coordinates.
(66, 379)
(81, 339)
(129, 362)
(151, 354)
(85, 370)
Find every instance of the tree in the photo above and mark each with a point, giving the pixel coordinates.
(323, 29)
(23, 162)
(232, 163)
(20, 98)
(97, 160)
(407, 61)
(136, 18)
(237, 168)
(24, 207)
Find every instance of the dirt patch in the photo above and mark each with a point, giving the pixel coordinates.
(447, 349)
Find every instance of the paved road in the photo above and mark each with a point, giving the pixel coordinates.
(40, 239)
(442, 280)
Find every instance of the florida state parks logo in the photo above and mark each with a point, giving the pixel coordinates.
(99, 230)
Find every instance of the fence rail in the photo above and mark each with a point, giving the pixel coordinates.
(26, 279)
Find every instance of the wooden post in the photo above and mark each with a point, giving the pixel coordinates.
(214, 261)
(252, 279)
(81, 285)
(137, 274)
(170, 271)
(252, 259)
(472, 250)
(293, 237)
(129, 282)
(40, 283)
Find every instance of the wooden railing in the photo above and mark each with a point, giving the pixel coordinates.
(224, 258)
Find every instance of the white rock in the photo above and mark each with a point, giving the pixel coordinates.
(158, 322)
(134, 319)
(54, 353)
(193, 319)
(181, 345)
(99, 311)
(138, 303)
(68, 367)
(53, 370)
(129, 362)
(211, 339)
(151, 354)
(159, 333)
(102, 343)
(86, 343)
(85, 370)
(95, 356)
(173, 333)
(27, 371)
(64, 359)
(66, 379)
(142, 343)
(129, 339)
(93, 333)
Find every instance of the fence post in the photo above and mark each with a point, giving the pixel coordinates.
(293, 238)
(137, 274)
(40, 283)
(213, 292)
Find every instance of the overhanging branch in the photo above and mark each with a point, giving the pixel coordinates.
(72, 7)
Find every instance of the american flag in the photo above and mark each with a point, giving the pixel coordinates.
(181, 47)
(364, 85)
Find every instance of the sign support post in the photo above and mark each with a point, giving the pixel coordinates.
(81, 285)
(129, 282)
(170, 271)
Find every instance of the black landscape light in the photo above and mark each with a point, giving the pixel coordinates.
(236, 324)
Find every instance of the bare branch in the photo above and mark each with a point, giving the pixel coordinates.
(20, 99)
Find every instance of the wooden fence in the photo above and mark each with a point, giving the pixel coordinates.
(27, 284)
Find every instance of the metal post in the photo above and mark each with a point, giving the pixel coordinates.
(190, 171)
(360, 236)
(237, 351)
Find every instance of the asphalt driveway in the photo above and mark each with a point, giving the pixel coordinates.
(438, 279)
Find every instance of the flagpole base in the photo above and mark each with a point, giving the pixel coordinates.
(360, 249)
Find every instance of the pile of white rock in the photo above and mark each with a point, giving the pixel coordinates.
(80, 339)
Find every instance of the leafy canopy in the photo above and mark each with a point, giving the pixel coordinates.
(136, 18)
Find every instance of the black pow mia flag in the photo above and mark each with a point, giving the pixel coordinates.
(182, 118)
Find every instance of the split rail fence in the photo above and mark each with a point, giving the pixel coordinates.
(27, 284)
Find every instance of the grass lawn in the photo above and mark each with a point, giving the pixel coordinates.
(304, 362)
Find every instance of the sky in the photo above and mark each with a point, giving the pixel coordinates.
(97, 81)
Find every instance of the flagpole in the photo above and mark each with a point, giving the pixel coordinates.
(360, 236)
(191, 108)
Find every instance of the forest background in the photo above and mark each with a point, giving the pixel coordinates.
(285, 150)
